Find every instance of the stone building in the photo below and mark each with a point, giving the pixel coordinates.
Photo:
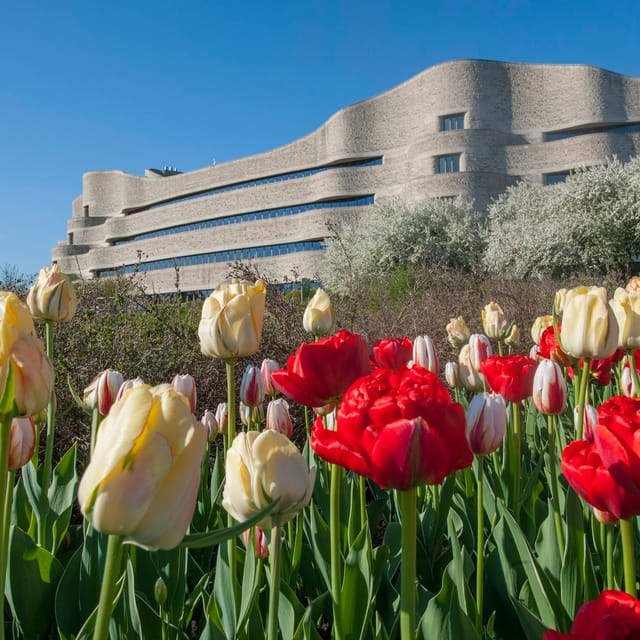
(465, 127)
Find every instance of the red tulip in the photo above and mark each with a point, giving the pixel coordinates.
(590, 479)
(399, 428)
(320, 372)
(510, 376)
(600, 369)
(617, 437)
(613, 615)
(392, 353)
(550, 349)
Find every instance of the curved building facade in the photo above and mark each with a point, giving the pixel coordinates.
(465, 127)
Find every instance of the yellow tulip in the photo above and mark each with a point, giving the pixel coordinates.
(589, 327)
(232, 317)
(319, 318)
(142, 480)
(53, 296)
(263, 467)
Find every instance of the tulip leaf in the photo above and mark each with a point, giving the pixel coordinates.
(290, 610)
(251, 579)
(320, 543)
(33, 490)
(212, 538)
(33, 575)
(222, 605)
(574, 555)
(355, 594)
(532, 625)
(69, 617)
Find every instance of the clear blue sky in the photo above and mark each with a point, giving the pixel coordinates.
(89, 85)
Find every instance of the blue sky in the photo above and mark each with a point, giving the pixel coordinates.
(87, 86)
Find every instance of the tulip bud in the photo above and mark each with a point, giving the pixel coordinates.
(559, 301)
(549, 388)
(252, 386)
(260, 468)
(209, 421)
(22, 442)
(633, 284)
(626, 308)
(103, 391)
(603, 516)
(534, 352)
(425, 355)
(128, 384)
(53, 296)
(160, 592)
(457, 332)
(260, 542)
(627, 386)
(479, 350)
(319, 319)
(589, 327)
(451, 374)
(470, 377)
(222, 417)
(186, 385)
(494, 322)
(325, 409)
(514, 335)
(538, 326)
(278, 418)
(232, 318)
(589, 422)
(486, 422)
(267, 368)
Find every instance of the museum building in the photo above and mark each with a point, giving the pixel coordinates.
(467, 128)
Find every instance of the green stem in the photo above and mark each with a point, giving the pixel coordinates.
(480, 547)
(335, 549)
(231, 433)
(362, 487)
(582, 394)
(274, 591)
(517, 462)
(408, 511)
(107, 591)
(609, 556)
(51, 416)
(555, 499)
(628, 556)
(5, 431)
(635, 392)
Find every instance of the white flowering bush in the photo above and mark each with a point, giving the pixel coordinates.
(589, 224)
(436, 233)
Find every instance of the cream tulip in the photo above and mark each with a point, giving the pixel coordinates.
(494, 321)
(626, 308)
(52, 296)
(319, 318)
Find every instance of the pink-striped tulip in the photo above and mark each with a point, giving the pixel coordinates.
(103, 391)
(486, 422)
(222, 417)
(590, 420)
(266, 369)
(22, 442)
(186, 385)
(479, 349)
(252, 386)
(209, 421)
(260, 542)
(425, 355)
(278, 418)
(128, 384)
(549, 388)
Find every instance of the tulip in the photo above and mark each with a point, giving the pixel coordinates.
(539, 325)
(392, 353)
(627, 384)
(319, 319)
(186, 385)
(494, 322)
(261, 468)
(510, 376)
(559, 301)
(549, 347)
(457, 332)
(486, 422)
(222, 417)
(613, 615)
(626, 308)
(128, 384)
(451, 374)
(470, 377)
(250, 416)
(589, 327)
(252, 386)
(211, 424)
(590, 419)
(266, 369)
(633, 284)
(53, 296)
(232, 317)
(142, 480)
(549, 388)
(103, 391)
(534, 352)
(26, 374)
(513, 337)
(260, 542)
(479, 350)
(320, 372)
(22, 442)
(400, 428)
(425, 355)
(278, 418)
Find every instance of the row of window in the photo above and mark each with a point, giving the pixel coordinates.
(250, 217)
(633, 127)
(249, 253)
(293, 175)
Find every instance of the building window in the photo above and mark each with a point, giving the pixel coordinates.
(85, 210)
(449, 164)
(557, 177)
(452, 122)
